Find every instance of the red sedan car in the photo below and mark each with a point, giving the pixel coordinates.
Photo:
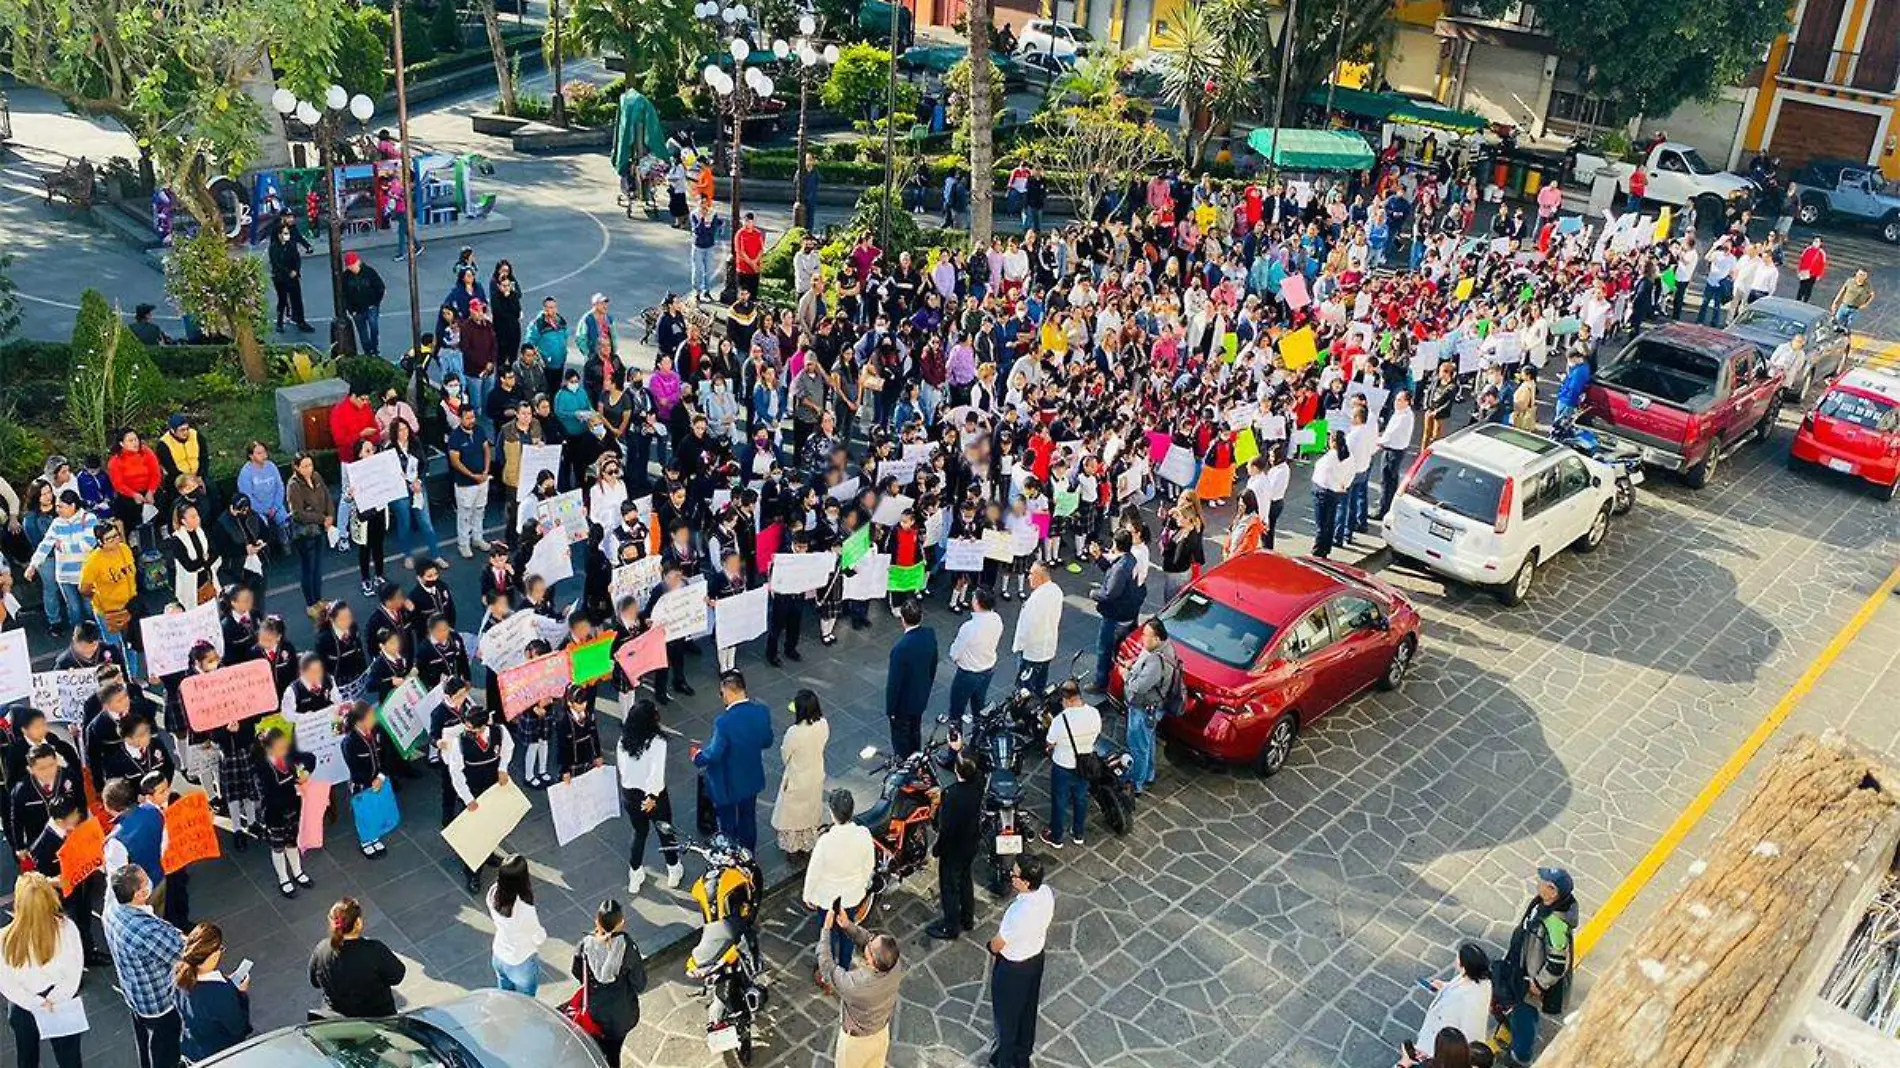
(1855, 429)
(1270, 643)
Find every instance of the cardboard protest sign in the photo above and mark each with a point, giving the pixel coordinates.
(891, 509)
(16, 667)
(1177, 467)
(802, 572)
(376, 482)
(83, 854)
(405, 713)
(567, 511)
(190, 836)
(316, 802)
(534, 460)
(635, 580)
(169, 637)
(219, 698)
(62, 695)
(645, 653)
(960, 554)
(855, 547)
(683, 613)
(551, 559)
(592, 661)
(1299, 348)
(528, 684)
(912, 578)
(1067, 501)
(1293, 291)
(479, 830)
(584, 802)
(1246, 446)
(741, 617)
(870, 579)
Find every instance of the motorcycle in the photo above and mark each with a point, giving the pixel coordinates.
(900, 820)
(1625, 459)
(727, 960)
(997, 738)
(1109, 787)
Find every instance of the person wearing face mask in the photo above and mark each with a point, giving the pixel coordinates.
(286, 274)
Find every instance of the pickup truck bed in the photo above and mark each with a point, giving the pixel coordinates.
(1684, 395)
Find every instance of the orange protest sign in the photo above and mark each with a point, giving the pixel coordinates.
(525, 685)
(229, 694)
(1217, 483)
(83, 854)
(190, 836)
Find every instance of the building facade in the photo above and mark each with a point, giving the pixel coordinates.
(1830, 88)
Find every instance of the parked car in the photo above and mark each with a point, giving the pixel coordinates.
(1677, 175)
(1269, 644)
(1846, 192)
(482, 1029)
(1770, 321)
(1063, 40)
(1855, 429)
(1490, 503)
(1685, 395)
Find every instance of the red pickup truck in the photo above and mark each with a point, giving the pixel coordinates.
(1685, 395)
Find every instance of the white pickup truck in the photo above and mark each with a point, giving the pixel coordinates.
(1677, 175)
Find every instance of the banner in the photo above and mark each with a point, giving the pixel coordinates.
(635, 581)
(62, 695)
(376, 813)
(909, 579)
(190, 836)
(525, 685)
(316, 802)
(228, 695)
(645, 653)
(169, 637)
(855, 548)
(405, 715)
(592, 661)
(802, 572)
(960, 554)
(584, 802)
(870, 579)
(83, 854)
(505, 644)
(683, 613)
(478, 831)
(16, 667)
(376, 482)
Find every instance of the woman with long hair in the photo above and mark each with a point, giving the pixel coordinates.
(215, 1011)
(312, 515)
(1244, 536)
(41, 962)
(369, 528)
(1463, 1002)
(409, 518)
(642, 765)
(1183, 553)
(518, 930)
(799, 813)
(357, 975)
(608, 965)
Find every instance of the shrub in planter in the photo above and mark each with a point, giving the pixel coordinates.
(777, 261)
(115, 383)
(22, 451)
(371, 374)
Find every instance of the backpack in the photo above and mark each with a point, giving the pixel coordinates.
(1174, 695)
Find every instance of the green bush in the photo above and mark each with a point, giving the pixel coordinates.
(860, 81)
(362, 52)
(445, 27)
(777, 261)
(372, 374)
(115, 383)
(22, 451)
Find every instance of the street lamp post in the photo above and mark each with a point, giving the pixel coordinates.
(811, 63)
(736, 98)
(324, 123)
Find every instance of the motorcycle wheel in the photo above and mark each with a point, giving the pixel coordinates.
(1115, 808)
(995, 880)
(739, 1058)
(1625, 497)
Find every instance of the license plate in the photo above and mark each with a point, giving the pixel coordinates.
(1009, 845)
(1440, 530)
(1636, 477)
(1845, 466)
(723, 1038)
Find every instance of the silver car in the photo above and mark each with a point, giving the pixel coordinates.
(1768, 322)
(484, 1029)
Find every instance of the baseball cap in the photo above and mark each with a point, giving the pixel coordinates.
(597, 298)
(1558, 878)
(351, 259)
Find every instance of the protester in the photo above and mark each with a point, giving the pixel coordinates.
(215, 1009)
(41, 965)
(357, 975)
(612, 975)
(798, 815)
(867, 995)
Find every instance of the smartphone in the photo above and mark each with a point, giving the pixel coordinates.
(241, 972)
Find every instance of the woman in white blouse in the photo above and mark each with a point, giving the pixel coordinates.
(518, 930)
(1464, 1002)
(41, 963)
(641, 760)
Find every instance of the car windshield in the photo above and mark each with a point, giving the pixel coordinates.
(1697, 165)
(1457, 487)
(1678, 376)
(1081, 35)
(1856, 408)
(1779, 325)
(347, 1044)
(1217, 631)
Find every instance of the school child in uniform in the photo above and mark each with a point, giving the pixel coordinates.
(280, 812)
(477, 760)
(576, 734)
(366, 758)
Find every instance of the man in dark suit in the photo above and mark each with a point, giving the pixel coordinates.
(959, 840)
(913, 671)
(734, 763)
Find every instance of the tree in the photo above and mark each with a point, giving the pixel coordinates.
(982, 126)
(115, 382)
(9, 300)
(1193, 59)
(1091, 149)
(504, 76)
(856, 84)
(175, 75)
(445, 27)
(659, 37)
(1648, 65)
(362, 52)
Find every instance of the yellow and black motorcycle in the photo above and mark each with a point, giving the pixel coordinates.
(727, 960)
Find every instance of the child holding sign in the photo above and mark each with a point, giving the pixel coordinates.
(364, 753)
(279, 774)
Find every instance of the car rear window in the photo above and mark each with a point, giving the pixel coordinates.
(1217, 631)
(1670, 374)
(1457, 487)
(1856, 408)
(1779, 325)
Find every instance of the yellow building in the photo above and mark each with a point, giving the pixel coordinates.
(1831, 88)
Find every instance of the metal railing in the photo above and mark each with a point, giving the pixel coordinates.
(1817, 64)
(1525, 17)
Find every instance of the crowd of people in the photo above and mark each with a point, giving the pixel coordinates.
(1111, 396)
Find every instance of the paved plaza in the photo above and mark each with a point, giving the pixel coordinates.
(1243, 921)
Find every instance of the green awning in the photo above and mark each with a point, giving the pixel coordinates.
(1393, 107)
(1351, 101)
(1312, 150)
(940, 58)
(1419, 113)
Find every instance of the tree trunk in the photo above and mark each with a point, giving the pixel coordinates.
(504, 77)
(982, 124)
(1729, 965)
(195, 180)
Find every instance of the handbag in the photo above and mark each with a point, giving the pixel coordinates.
(1087, 765)
(576, 1008)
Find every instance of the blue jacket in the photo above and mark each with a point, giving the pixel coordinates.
(142, 829)
(734, 761)
(1576, 381)
(913, 671)
(216, 1016)
(1120, 597)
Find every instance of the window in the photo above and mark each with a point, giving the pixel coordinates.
(1311, 634)
(1861, 410)
(1352, 613)
(1457, 487)
(1216, 631)
(1572, 477)
(1670, 161)
(1540, 492)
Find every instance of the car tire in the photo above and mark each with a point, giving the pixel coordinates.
(1279, 744)
(1809, 211)
(1400, 666)
(1599, 529)
(1890, 229)
(1889, 491)
(1625, 498)
(1698, 476)
(1513, 593)
(1766, 428)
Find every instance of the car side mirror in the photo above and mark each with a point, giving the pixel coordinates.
(1596, 481)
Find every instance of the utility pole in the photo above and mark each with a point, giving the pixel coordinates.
(890, 135)
(1286, 61)
(410, 244)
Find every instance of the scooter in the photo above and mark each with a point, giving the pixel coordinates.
(1625, 459)
(727, 960)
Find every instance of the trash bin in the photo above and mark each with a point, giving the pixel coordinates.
(1533, 181)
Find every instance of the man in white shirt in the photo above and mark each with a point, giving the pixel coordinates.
(839, 874)
(1036, 630)
(1016, 964)
(1072, 730)
(973, 651)
(805, 265)
(1362, 442)
(1394, 440)
(1717, 287)
(1686, 262)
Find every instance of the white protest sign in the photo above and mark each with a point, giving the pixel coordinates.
(552, 631)
(682, 613)
(505, 644)
(1177, 466)
(1426, 357)
(405, 714)
(376, 482)
(16, 667)
(741, 617)
(62, 694)
(550, 558)
(584, 802)
(565, 510)
(901, 470)
(919, 450)
(963, 554)
(1375, 397)
(870, 579)
(891, 509)
(1509, 350)
(635, 580)
(997, 546)
(320, 734)
(1023, 537)
(534, 460)
(802, 572)
(934, 526)
(1470, 355)
(845, 490)
(169, 637)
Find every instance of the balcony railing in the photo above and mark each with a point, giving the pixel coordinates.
(1524, 17)
(1867, 73)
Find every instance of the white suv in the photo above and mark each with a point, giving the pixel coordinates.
(1489, 503)
(1059, 40)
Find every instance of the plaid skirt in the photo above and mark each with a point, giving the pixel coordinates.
(831, 597)
(237, 778)
(281, 835)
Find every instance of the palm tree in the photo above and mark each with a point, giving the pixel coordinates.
(648, 34)
(1193, 63)
(504, 76)
(982, 123)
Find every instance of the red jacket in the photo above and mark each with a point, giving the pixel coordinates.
(350, 423)
(136, 472)
(1813, 262)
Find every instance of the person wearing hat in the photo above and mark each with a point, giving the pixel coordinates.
(1534, 976)
(180, 452)
(479, 353)
(597, 326)
(363, 300)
